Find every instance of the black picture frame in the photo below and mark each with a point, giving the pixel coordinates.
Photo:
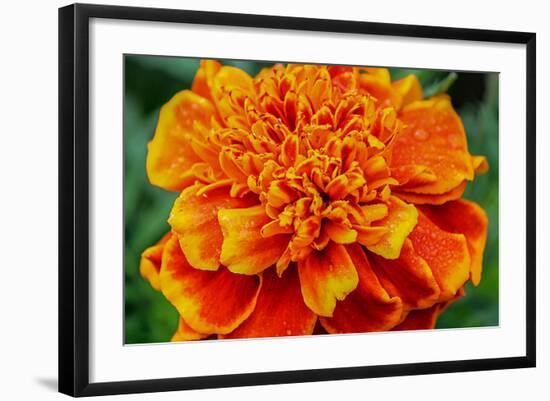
(74, 194)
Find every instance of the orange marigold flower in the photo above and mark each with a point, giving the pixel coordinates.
(312, 198)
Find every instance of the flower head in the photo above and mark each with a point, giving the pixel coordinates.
(312, 196)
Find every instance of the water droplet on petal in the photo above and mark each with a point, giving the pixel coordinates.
(421, 135)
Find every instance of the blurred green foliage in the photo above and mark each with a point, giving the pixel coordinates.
(150, 81)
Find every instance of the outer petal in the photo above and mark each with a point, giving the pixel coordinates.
(151, 259)
(170, 155)
(400, 222)
(280, 309)
(210, 302)
(422, 319)
(325, 277)
(428, 199)
(186, 333)
(244, 250)
(369, 307)
(377, 83)
(195, 220)
(204, 78)
(464, 217)
(446, 254)
(409, 277)
(434, 137)
(409, 88)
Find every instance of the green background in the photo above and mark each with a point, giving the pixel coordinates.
(150, 81)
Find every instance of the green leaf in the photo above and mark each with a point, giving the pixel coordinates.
(442, 86)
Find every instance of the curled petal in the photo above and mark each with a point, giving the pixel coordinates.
(170, 155)
(434, 137)
(409, 277)
(428, 199)
(151, 259)
(446, 254)
(244, 249)
(480, 163)
(209, 301)
(280, 309)
(186, 333)
(369, 307)
(464, 217)
(400, 221)
(194, 218)
(325, 277)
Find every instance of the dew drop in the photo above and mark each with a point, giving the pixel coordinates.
(454, 140)
(421, 135)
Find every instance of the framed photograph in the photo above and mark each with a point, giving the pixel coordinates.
(249, 199)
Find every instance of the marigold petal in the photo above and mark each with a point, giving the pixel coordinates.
(194, 218)
(480, 163)
(434, 137)
(186, 333)
(325, 277)
(409, 88)
(280, 309)
(204, 78)
(369, 307)
(377, 83)
(209, 301)
(400, 221)
(170, 155)
(468, 218)
(421, 319)
(428, 199)
(151, 259)
(409, 277)
(244, 249)
(446, 254)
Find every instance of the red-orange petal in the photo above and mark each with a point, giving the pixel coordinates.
(170, 155)
(421, 319)
(151, 259)
(429, 199)
(244, 250)
(186, 333)
(464, 217)
(209, 301)
(325, 277)
(409, 277)
(194, 218)
(434, 137)
(280, 309)
(369, 307)
(446, 254)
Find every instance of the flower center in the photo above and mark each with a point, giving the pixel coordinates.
(315, 149)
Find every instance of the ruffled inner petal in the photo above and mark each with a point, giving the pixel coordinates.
(244, 249)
